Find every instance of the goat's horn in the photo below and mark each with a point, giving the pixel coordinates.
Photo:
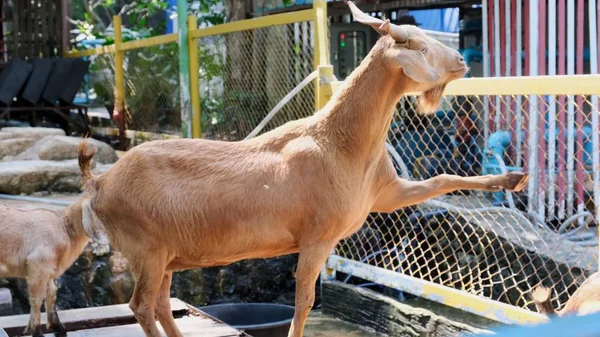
(361, 17)
(398, 33)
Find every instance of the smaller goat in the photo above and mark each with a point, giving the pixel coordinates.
(585, 300)
(39, 245)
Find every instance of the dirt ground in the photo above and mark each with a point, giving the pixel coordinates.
(318, 325)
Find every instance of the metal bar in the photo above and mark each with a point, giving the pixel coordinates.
(194, 78)
(593, 26)
(533, 137)
(184, 69)
(579, 167)
(562, 149)
(507, 61)
(570, 107)
(486, 67)
(464, 301)
(497, 64)
(94, 51)
(261, 22)
(527, 56)
(321, 50)
(534, 85)
(518, 72)
(149, 42)
(552, 112)
(541, 148)
(119, 70)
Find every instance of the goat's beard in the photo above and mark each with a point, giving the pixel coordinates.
(430, 100)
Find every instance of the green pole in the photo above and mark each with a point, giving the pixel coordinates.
(184, 69)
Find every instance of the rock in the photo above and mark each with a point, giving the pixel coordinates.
(121, 288)
(65, 148)
(35, 133)
(385, 315)
(5, 302)
(13, 146)
(100, 249)
(118, 263)
(5, 135)
(29, 176)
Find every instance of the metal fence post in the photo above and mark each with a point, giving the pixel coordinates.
(194, 80)
(119, 76)
(321, 52)
(184, 69)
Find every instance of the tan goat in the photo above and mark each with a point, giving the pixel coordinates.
(180, 204)
(39, 245)
(585, 300)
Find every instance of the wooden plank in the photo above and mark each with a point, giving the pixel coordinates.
(189, 326)
(89, 317)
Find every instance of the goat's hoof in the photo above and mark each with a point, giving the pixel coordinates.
(59, 329)
(37, 332)
(515, 181)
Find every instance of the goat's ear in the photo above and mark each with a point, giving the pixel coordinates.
(415, 66)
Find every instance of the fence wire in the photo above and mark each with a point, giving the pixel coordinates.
(244, 74)
(152, 88)
(101, 81)
(507, 243)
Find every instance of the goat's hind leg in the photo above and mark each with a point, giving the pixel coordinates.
(163, 307)
(53, 323)
(149, 272)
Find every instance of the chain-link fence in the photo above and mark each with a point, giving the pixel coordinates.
(152, 88)
(244, 74)
(497, 245)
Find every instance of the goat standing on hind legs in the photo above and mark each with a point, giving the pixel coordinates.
(179, 204)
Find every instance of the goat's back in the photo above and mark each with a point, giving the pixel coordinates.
(586, 298)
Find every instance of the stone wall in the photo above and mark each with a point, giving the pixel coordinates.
(100, 276)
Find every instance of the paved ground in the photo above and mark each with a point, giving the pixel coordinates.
(318, 325)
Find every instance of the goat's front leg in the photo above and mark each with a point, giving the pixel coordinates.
(402, 193)
(310, 262)
(37, 292)
(53, 323)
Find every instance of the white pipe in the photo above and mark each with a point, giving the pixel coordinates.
(533, 141)
(486, 67)
(570, 107)
(519, 72)
(497, 70)
(281, 103)
(595, 123)
(34, 199)
(552, 112)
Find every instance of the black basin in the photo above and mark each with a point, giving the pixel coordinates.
(256, 319)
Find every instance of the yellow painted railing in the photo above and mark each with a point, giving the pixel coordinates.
(317, 15)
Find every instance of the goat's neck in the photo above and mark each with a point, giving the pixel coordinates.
(72, 221)
(358, 117)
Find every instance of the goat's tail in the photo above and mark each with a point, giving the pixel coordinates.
(542, 299)
(85, 161)
(93, 226)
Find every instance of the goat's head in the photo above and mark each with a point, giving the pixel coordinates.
(427, 63)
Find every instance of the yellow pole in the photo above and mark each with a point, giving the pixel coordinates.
(321, 52)
(194, 80)
(119, 78)
(325, 90)
(119, 71)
